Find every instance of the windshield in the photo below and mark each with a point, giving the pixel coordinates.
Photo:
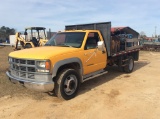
(67, 39)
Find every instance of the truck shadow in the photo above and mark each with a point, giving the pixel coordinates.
(113, 72)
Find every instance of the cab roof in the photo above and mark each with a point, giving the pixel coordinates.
(79, 30)
(35, 28)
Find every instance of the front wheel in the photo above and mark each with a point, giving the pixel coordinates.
(67, 84)
(130, 65)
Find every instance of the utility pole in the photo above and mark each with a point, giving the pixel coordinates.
(155, 32)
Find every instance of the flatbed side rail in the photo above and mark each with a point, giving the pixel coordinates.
(125, 52)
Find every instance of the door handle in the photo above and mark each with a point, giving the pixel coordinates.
(87, 53)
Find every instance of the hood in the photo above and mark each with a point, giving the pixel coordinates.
(42, 52)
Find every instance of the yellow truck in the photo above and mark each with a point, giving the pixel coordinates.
(80, 53)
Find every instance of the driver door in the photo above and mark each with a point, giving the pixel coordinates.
(94, 59)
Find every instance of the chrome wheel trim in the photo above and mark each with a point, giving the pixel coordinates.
(70, 84)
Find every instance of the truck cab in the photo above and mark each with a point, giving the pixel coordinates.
(86, 43)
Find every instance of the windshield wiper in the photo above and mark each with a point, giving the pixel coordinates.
(65, 45)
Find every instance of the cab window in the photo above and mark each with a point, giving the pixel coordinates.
(92, 39)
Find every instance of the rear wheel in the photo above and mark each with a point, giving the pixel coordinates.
(130, 65)
(28, 45)
(67, 84)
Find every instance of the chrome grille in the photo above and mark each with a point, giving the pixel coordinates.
(31, 76)
(31, 62)
(23, 68)
(23, 75)
(23, 61)
(23, 65)
(17, 60)
(31, 69)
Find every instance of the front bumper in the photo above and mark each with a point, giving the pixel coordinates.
(34, 85)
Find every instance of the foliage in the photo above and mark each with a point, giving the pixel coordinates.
(142, 34)
(6, 31)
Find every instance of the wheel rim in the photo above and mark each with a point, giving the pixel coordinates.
(70, 84)
(130, 64)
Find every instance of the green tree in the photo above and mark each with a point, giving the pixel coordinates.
(6, 31)
(142, 34)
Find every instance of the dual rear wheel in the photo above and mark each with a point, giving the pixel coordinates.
(129, 65)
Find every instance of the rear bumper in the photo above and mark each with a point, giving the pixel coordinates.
(37, 86)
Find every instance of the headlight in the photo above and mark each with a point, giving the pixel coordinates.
(43, 66)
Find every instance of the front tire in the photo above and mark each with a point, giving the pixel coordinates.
(67, 84)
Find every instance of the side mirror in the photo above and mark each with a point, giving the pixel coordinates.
(100, 45)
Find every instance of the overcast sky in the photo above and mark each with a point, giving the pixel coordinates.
(141, 15)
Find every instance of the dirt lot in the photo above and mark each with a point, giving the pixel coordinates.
(113, 96)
